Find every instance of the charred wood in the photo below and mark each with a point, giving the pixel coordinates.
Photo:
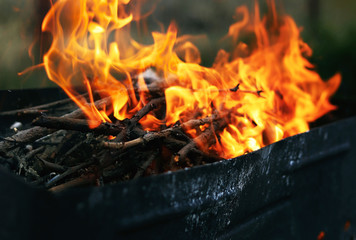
(207, 138)
(144, 166)
(86, 179)
(81, 125)
(132, 123)
(67, 173)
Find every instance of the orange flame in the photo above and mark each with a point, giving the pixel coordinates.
(92, 47)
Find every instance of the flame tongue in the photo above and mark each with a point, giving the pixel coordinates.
(92, 47)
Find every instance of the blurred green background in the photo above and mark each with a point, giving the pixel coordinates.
(329, 27)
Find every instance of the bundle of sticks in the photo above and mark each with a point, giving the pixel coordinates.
(59, 152)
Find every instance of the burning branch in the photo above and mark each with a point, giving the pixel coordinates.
(132, 123)
(206, 139)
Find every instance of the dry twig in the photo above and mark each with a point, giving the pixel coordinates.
(81, 125)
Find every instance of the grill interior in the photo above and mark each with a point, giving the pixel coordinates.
(297, 188)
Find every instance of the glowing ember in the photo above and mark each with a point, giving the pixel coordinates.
(277, 94)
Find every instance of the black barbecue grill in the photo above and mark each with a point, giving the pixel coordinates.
(299, 188)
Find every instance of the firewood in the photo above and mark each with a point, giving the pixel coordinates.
(159, 91)
(22, 137)
(152, 136)
(79, 159)
(237, 88)
(33, 152)
(173, 143)
(144, 166)
(67, 173)
(61, 159)
(67, 140)
(32, 134)
(169, 138)
(81, 125)
(36, 109)
(23, 113)
(194, 123)
(80, 181)
(131, 123)
(153, 104)
(207, 138)
(43, 167)
(39, 109)
(145, 139)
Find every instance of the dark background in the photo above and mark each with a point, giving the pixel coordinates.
(329, 27)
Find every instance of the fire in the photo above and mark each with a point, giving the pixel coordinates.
(277, 92)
